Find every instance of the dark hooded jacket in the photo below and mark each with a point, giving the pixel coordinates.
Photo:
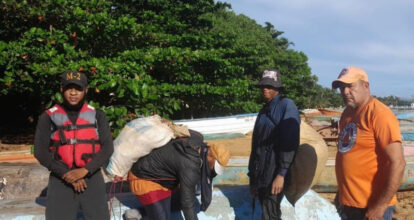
(275, 141)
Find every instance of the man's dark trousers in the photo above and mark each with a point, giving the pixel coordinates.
(270, 204)
(64, 203)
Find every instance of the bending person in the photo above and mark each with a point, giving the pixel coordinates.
(182, 163)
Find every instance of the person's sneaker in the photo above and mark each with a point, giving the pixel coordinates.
(132, 214)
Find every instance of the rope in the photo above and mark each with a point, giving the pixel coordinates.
(120, 208)
(150, 179)
(112, 188)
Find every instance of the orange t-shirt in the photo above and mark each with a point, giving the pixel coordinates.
(360, 158)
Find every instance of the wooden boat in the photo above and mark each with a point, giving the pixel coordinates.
(321, 112)
(236, 174)
(327, 179)
(407, 126)
(406, 116)
(408, 136)
(329, 112)
(242, 124)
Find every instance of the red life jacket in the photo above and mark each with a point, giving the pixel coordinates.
(74, 143)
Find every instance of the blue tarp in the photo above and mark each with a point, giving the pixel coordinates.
(228, 203)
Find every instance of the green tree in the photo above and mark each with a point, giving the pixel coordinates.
(180, 59)
(254, 48)
(325, 97)
(393, 100)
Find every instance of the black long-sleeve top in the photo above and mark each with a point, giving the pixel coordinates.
(57, 167)
(275, 141)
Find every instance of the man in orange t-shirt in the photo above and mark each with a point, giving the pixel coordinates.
(370, 162)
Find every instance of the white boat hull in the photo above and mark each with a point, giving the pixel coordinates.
(242, 123)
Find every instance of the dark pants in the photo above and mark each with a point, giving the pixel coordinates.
(63, 203)
(160, 210)
(270, 204)
(352, 213)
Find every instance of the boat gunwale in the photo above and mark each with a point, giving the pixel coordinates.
(216, 118)
(329, 162)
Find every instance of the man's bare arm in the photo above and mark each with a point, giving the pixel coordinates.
(377, 207)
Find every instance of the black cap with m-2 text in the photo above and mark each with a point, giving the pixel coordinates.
(74, 77)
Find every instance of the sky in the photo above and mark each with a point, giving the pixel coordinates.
(375, 35)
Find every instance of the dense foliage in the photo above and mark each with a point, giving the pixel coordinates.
(180, 59)
(394, 101)
(321, 97)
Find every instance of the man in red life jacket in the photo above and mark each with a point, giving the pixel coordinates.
(73, 140)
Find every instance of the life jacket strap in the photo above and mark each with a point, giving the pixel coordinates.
(86, 156)
(75, 141)
(75, 127)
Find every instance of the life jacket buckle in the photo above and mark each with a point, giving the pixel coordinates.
(73, 141)
(73, 127)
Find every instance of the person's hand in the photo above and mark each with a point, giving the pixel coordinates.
(375, 212)
(79, 185)
(76, 174)
(277, 185)
(118, 178)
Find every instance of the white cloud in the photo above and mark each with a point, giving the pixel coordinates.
(385, 50)
(373, 34)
